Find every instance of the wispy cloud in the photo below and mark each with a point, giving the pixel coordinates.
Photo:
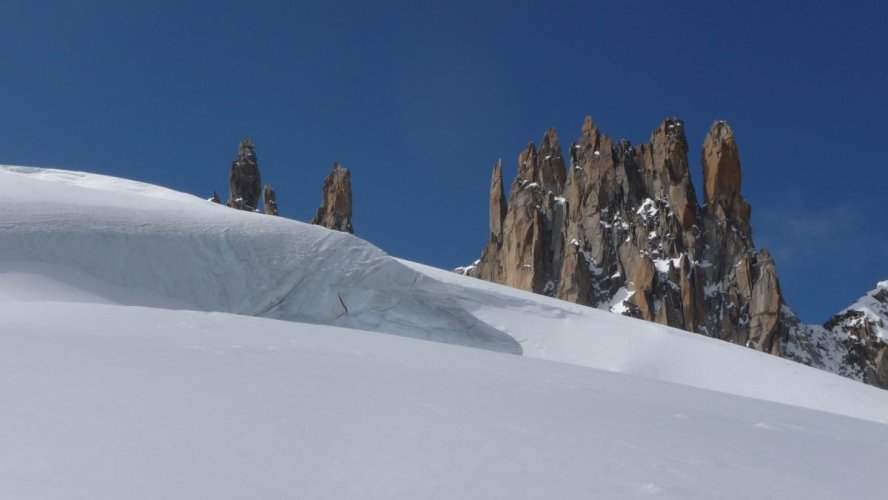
(828, 252)
(802, 233)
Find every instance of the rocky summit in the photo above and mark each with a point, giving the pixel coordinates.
(619, 227)
(335, 211)
(852, 343)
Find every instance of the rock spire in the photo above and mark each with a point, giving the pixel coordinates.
(271, 206)
(244, 181)
(721, 175)
(335, 211)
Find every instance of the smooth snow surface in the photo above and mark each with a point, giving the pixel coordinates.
(118, 382)
(110, 402)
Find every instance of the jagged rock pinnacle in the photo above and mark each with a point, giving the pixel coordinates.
(244, 181)
(666, 171)
(721, 163)
(722, 177)
(335, 211)
(544, 167)
(271, 207)
(552, 169)
(588, 125)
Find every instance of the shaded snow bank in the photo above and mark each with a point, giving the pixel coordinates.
(180, 249)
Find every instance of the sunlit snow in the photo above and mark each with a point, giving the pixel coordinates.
(134, 366)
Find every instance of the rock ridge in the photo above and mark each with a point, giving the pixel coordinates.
(621, 229)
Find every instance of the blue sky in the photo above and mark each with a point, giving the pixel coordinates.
(419, 100)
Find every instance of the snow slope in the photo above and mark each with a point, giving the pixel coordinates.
(106, 402)
(117, 380)
(75, 237)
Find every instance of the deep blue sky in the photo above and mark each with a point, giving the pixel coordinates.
(420, 100)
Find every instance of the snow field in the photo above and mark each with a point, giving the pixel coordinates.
(156, 345)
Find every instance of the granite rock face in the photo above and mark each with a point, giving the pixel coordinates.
(335, 211)
(244, 181)
(271, 206)
(621, 229)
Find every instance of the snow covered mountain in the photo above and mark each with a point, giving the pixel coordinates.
(852, 343)
(157, 345)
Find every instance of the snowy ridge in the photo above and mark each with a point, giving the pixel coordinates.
(852, 343)
(874, 306)
(98, 239)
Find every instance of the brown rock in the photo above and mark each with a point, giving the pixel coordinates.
(527, 165)
(552, 169)
(534, 218)
(691, 295)
(665, 170)
(497, 203)
(577, 278)
(335, 211)
(721, 173)
(721, 163)
(587, 125)
(765, 305)
(520, 255)
(544, 167)
(744, 278)
(643, 274)
(628, 217)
